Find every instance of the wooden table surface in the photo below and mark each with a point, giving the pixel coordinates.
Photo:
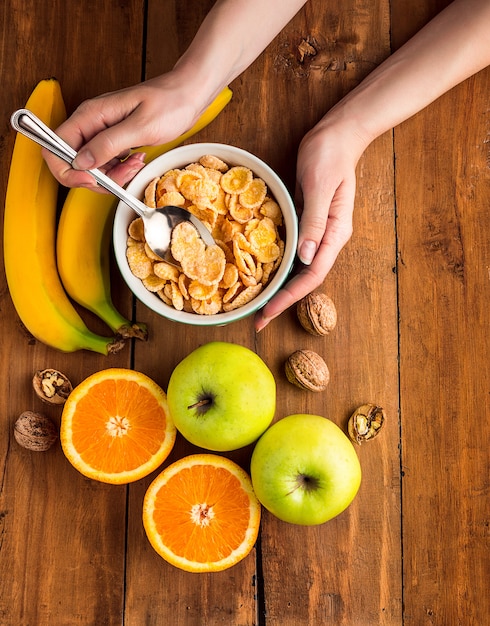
(412, 290)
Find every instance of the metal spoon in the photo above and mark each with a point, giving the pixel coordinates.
(158, 223)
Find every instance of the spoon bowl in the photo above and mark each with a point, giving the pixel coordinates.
(158, 223)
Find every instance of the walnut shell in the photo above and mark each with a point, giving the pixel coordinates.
(35, 431)
(51, 386)
(317, 314)
(365, 423)
(307, 370)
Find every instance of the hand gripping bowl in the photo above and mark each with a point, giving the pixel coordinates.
(179, 158)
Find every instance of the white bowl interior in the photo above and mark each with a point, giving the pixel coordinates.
(180, 157)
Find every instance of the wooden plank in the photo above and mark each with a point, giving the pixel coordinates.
(348, 570)
(62, 536)
(157, 592)
(443, 233)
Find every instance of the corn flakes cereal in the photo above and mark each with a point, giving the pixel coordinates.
(213, 162)
(230, 276)
(241, 214)
(182, 282)
(243, 259)
(282, 246)
(271, 209)
(163, 296)
(247, 279)
(153, 283)
(244, 297)
(184, 236)
(198, 291)
(170, 198)
(207, 307)
(176, 297)
(263, 241)
(259, 273)
(139, 264)
(243, 220)
(227, 250)
(198, 168)
(166, 271)
(168, 182)
(184, 177)
(253, 223)
(236, 179)
(136, 229)
(232, 291)
(206, 266)
(219, 203)
(150, 194)
(214, 175)
(254, 194)
(267, 269)
(206, 214)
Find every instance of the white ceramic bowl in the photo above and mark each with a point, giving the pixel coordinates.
(178, 158)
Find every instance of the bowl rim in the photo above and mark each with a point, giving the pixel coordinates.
(179, 157)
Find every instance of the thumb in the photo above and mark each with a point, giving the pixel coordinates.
(313, 223)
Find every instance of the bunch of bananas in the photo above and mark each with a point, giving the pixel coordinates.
(48, 265)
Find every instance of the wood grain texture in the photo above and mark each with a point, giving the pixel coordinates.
(444, 283)
(412, 289)
(62, 545)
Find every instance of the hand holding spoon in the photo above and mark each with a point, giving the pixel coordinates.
(158, 223)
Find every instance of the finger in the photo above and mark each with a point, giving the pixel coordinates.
(65, 174)
(110, 143)
(123, 172)
(120, 173)
(339, 231)
(308, 279)
(314, 218)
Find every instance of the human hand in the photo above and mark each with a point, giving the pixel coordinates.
(326, 185)
(105, 128)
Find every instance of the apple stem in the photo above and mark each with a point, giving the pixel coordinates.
(200, 403)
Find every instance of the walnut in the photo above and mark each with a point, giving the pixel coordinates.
(365, 423)
(317, 314)
(307, 370)
(51, 386)
(35, 431)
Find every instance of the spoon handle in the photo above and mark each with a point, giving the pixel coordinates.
(25, 122)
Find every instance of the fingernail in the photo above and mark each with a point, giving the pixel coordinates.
(134, 170)
(307, 252)
(261, 324)
(83, 161)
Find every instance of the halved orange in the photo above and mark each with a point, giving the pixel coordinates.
(201, 514)
(116, 426)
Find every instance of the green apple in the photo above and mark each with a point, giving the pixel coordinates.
(222, 396)
(305, 470)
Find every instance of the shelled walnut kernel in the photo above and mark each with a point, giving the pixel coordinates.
(51, 386)
(365, 423)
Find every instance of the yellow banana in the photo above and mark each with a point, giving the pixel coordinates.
(83, 245)
(29, 240)
(84, 233)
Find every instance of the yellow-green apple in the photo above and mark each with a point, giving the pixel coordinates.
(222, 396)
(305, 470)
